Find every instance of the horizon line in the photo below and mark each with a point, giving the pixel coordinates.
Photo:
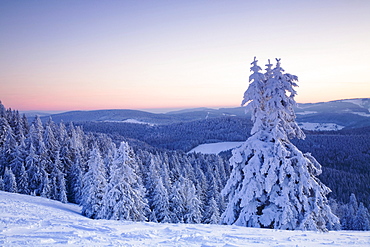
(161, 109)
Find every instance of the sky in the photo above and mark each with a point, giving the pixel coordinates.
(84, 55)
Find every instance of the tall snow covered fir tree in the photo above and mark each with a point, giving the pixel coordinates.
(124, 195)
(273, 184)
(93, 186)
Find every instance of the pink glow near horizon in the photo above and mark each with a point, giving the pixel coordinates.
(144, 55)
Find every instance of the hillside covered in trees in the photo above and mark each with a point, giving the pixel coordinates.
(109, 181)
(345, 170)
(51, 160)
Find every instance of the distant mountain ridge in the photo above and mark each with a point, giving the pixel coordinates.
(347, 113)
(332, 115)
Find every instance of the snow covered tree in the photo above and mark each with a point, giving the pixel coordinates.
(157, 194)
(61, 182)
(2, 110)
(176, 202)
(160, 203)
(36, 133)
(212, 214)
(8, 149)
(10, 184)
(349, 213)
(62, 134)
(192, 204)
(124, 197)
(46, 190)
(58, 186)
(201, 188)
(4, 129)
(50, 141)
(22, 181)
(18, 127)
(16, 161)
(273, 184)
(35, 172)
(362, 220)
(163, 170)
(18, 169)
(354, 215)
(93, 186)
(1, 183)
(75, 183)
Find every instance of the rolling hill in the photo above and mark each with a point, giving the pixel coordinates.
(333, 115)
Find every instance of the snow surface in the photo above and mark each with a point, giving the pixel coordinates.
(306, 112)
(364, 114)
(358, 102)
(36, 221)
(320, 126)
(215, 148)
(137, 122)
(129, 121)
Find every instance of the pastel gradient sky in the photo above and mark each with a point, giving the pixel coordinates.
(80, 55)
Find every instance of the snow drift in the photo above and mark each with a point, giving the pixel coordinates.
(36, 221)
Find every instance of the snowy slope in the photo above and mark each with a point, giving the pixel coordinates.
(134, 121)
(36, 221)
(320, 126)
(364, 103)
(215, 148)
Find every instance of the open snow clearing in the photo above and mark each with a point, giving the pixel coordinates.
(36, 221)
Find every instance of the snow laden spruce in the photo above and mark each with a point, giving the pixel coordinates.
(272, 183)
(122, 198)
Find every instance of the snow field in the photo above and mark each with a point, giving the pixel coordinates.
(320, 126)
(36, 221)
(215, 148)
